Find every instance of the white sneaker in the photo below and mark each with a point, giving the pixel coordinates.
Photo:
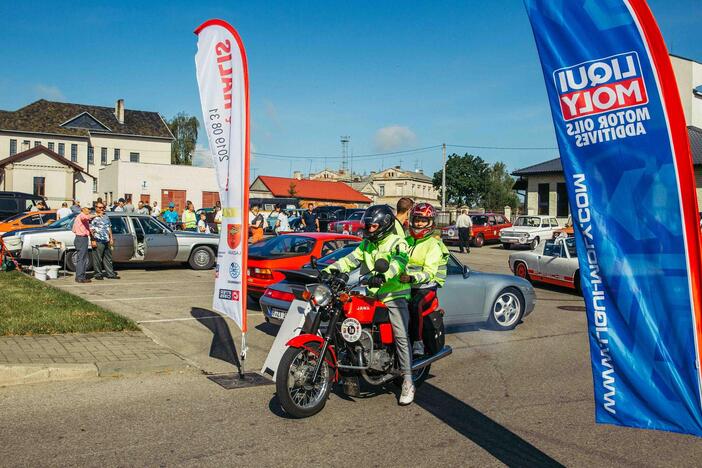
(407, 395)
(418, 348)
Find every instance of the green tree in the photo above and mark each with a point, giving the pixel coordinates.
(184, 128)
(499, 191)
(292, 189)
(466, 179)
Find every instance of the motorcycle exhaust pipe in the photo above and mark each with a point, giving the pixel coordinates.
(424, 362)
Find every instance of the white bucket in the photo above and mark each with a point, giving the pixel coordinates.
(40, 273)
(52, 271)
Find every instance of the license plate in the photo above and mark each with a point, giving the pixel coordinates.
(278, 313)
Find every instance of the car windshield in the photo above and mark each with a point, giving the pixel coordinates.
(479, 220)
(283, 246)
(357, 216)
(529, 221)
(15, 217)
(336, 255)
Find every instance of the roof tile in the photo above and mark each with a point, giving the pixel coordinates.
(313, 189)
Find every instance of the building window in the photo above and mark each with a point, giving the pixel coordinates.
(543, 199)
(103, 156)
(62, 149)
(13, 147)
(39, 187)
(37, 143)
(134, 157)
(381, 190)
(127, 197)
(25, 145)
(91, 155)
(51, 145)
(95, 187)
(561, 200)
(74, 152)
(116, 155)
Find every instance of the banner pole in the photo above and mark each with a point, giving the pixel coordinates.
(243, 355)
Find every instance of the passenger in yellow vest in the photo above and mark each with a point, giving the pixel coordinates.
(426, 270)
(189, 218)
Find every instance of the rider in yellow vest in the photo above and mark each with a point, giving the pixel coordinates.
(426, 270)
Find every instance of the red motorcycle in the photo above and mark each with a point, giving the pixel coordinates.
(356, 340)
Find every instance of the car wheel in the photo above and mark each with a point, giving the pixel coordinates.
(534, 244)
(506, 246)
(478, 240)
(521, 270)
(201, 258)
(71, 257)
(507, 309)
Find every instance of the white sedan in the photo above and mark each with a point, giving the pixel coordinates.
(554, 261)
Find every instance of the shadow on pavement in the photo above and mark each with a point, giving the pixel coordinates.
(222, 346)
(497, 440)
(268, 328)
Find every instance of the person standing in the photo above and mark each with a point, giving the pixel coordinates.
(310, 221)
(141, 209)
(128, 207)
(202, 226)
(81, 229)
(403, 207)
(256, 224)
(218, 218)
(63, 211)
(155, 211)
(102, 244)
(189, 218)
(281, 224)
(464, 225)
(75, 208)
(120, 205)
(170, 216)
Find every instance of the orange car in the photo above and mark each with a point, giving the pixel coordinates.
(288, 252)
(30, 219)
(568, 230)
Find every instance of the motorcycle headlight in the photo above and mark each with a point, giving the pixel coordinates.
(319, 295)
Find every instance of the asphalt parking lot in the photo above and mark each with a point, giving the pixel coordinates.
(522, 397)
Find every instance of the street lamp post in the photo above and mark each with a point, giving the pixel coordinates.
(443, 178)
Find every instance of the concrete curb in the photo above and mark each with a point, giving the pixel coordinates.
(18, 374)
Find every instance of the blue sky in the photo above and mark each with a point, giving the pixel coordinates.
(392, 75)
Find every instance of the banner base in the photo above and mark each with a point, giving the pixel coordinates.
(234, 380)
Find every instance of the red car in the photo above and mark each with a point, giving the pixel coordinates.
(353, 225)
(486, 228)
(288, 252)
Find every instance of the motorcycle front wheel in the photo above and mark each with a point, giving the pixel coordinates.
(298, 396)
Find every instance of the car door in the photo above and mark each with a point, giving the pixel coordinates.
(160, 244)
(461, 297)
(492, 231)
(123, 239)
(553, 260)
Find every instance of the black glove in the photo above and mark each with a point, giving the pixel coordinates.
(376, 281)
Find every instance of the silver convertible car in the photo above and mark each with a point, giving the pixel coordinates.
(138, 238)
(467, 297)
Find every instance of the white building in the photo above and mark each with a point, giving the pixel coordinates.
(85, 137)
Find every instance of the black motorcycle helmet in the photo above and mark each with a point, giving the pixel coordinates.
(383, 216)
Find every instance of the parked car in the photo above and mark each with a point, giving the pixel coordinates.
(351, 225)
(554, 261)
(288, 252)
(14, 203)
(567, 230)
(278, 296)
(138, 238)
(329, 214)
(486, 228)
(467, 297)
(27, 220)
(528, 230)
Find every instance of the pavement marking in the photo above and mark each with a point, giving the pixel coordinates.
(190, 318)
(119, 283)
(148, 298)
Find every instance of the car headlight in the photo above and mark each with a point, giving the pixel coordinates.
(319, 295)
(13, 243)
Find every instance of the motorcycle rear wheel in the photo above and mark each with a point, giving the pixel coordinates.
(298, 397)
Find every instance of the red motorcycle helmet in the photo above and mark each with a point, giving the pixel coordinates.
(423, 211)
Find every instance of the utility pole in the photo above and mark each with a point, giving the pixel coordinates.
(443, 178)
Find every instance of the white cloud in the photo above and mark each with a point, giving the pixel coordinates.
(202, 157)
(50, 92)
(394, 137)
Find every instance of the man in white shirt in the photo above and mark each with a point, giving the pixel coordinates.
(63, 211)
(464, 225)
(281, 224)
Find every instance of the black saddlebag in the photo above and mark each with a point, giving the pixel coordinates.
(433, 334)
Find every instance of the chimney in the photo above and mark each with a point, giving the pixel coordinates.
(119, 111)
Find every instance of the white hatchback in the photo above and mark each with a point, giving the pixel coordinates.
(528, 230)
